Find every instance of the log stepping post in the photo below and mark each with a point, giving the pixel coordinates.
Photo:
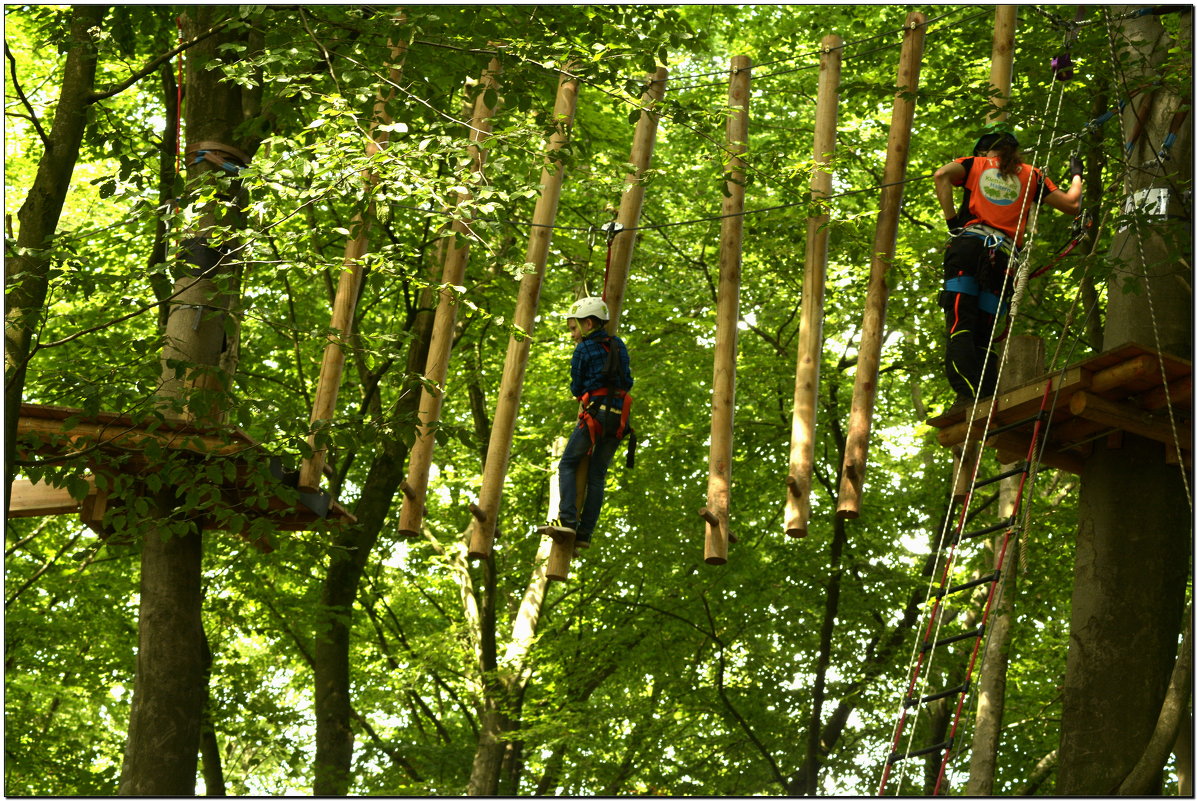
(482, 533)
(457, 249)
(349, 287)
(723, 392)
(810, 333)
(868, 360)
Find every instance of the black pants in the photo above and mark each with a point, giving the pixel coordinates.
(969, 329)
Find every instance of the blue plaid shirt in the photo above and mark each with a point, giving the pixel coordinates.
(589, 363)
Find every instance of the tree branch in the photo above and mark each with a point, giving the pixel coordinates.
(1176, 703)
(153, 64)
(760, 747)
(12, 61)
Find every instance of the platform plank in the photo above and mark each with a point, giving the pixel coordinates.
(1129, 388)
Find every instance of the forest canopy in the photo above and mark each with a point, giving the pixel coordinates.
(343, 656)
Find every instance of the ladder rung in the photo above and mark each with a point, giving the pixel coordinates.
(968, 585)
(994, 479)
(977, 632)
(1037, 416)
(931, 749)
(962, 688)
(1007, 523)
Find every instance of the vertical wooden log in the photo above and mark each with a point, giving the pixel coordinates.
(632, 200)
(868, 360)
(554, 551)
(415, 486)
(332, 365)
(810, 332)
(723, 392)
(1024, 362)
(1001, 60)
(503, 426)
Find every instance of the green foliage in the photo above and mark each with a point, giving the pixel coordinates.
(652, 672)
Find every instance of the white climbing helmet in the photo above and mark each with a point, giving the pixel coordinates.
(589, 307)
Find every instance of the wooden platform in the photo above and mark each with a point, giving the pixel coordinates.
(96, 442)
(1127, 389)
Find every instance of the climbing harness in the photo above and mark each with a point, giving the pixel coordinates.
(600, 399)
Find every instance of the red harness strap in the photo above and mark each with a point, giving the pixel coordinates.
(593, 425)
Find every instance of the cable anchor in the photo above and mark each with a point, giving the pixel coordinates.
(611, 229)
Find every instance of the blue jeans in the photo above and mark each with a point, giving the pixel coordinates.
(596, 479)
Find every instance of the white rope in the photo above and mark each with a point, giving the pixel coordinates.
(1022, 274)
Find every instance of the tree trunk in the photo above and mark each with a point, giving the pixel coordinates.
(168, 690)
(27, 272)
(1135, 526)
(331, 670)
(198, 357)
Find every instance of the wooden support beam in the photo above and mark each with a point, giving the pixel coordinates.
(457, 249)
(1178, 393)
(1145, 365)
(38, 499)
(1012, 446)
(723, 385)
(88, 433)
(814, 281)
(1127, 418)
(349, 285)
(503, 425)
(868, 360)
(632, 200)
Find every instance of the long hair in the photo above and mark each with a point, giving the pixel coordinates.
(1009, 161)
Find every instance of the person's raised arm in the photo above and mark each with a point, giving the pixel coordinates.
(1069, 201)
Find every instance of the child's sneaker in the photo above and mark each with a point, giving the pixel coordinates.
(562, 535)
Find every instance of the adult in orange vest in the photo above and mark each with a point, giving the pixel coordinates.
(987, 229)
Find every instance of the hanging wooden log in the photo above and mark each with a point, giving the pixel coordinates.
(622, 246)
(868, 360)
(349, 285)
(810, 332)
(632, 200)
(457, 249)
(1001, 60)
(503, 426)
(723, 393)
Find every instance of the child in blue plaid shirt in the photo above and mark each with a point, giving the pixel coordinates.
(599, 370)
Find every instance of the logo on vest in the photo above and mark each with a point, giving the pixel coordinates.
(998, 189)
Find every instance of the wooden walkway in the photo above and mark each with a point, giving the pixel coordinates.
(1121, 390)
(97, 442)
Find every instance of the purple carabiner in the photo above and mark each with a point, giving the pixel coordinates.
(1062, 66)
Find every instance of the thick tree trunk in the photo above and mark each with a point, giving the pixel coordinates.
(198, 358)
(27, 272)
(1133, 544)
(168, 690)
